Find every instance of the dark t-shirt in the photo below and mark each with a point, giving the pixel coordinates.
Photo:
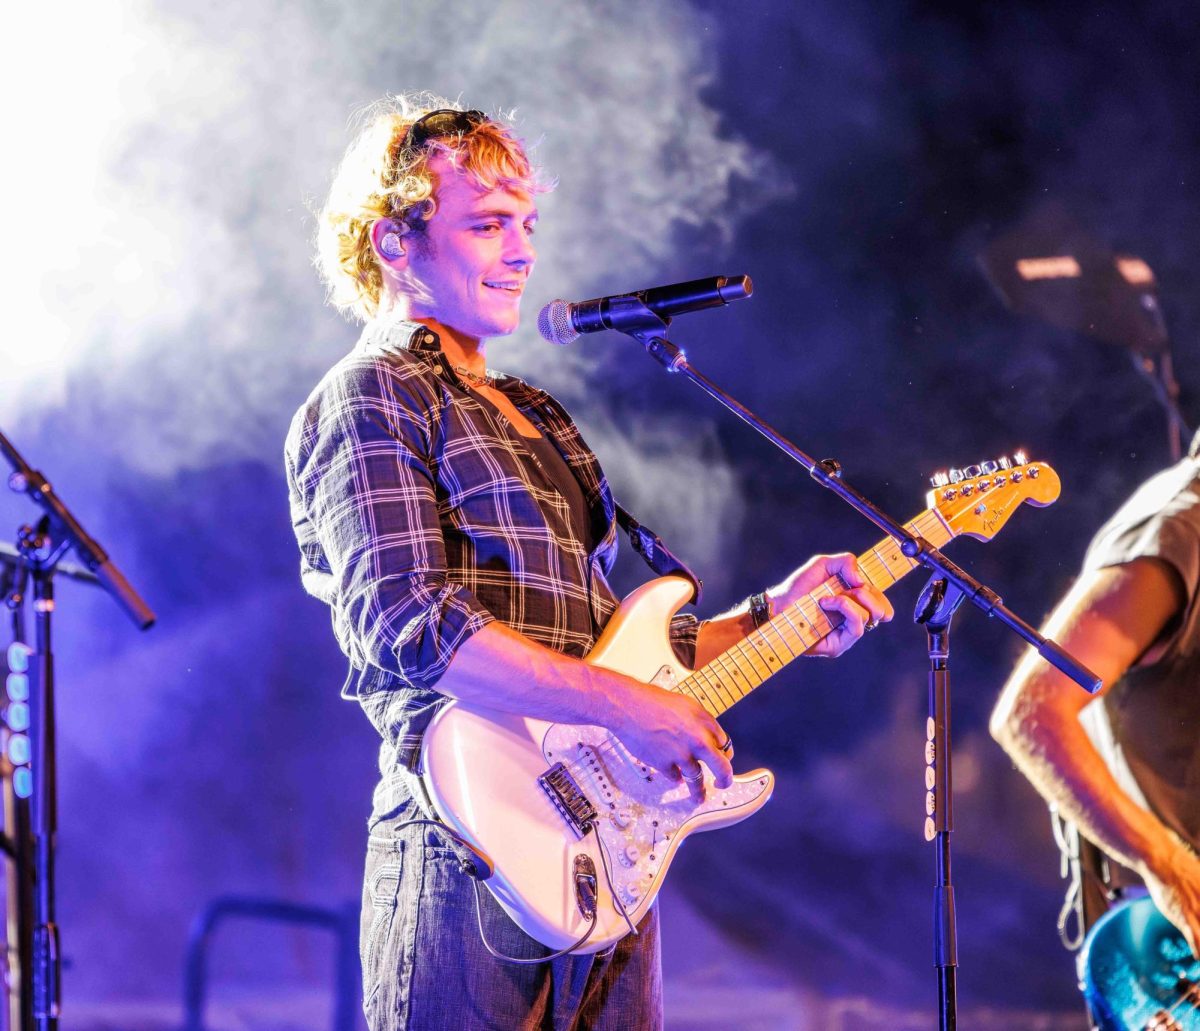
(553, 464)
(1153, 712)
(548, 461)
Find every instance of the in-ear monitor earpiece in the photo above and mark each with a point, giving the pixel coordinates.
(390, 245)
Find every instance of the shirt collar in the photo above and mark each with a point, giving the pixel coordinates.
(392, 333)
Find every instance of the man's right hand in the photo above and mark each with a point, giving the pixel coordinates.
(671, 732)
(502, 669)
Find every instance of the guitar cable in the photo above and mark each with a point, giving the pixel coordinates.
(518, 960)
(479, 867)
(476, 864)
(608, 877)
(589, 916)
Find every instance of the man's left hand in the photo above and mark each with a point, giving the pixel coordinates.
(852, 611)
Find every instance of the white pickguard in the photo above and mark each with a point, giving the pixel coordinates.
(642, 812)
(481, 769)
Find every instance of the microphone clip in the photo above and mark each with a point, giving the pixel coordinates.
(668, 355)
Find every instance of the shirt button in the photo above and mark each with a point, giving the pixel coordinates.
(427, 338)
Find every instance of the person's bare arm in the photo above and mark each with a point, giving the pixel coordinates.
(502, 669)
(1109, 621)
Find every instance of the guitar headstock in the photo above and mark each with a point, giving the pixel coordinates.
(979, 499)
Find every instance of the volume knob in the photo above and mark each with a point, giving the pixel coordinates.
(622, 818)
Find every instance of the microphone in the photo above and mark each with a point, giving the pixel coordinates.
(560, 322)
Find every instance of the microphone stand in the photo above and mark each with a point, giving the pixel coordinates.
(638, 321)
(935, 609)
(30, 773)
(1159, 371)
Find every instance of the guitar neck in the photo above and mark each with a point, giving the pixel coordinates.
(793, 631)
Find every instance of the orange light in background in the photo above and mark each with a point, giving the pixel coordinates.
(1061, 267)
(1135, 271)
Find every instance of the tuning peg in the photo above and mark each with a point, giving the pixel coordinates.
(1019, 458)
(1004, 462)
(988, 467)
(939, 479)
(956, 475)
(971, 471)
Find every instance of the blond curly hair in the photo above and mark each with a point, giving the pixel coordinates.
(378, 178)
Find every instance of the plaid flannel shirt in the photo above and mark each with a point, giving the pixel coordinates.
(421, 517)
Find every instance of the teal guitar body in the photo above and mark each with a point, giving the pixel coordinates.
(1137, 972)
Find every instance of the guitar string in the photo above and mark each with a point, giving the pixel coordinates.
(1189, 998)
(706, 684)
(608, 746)
(751, 647)
(721, 675)
(735, 661)
(872, 563)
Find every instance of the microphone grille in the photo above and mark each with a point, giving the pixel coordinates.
(554, 323)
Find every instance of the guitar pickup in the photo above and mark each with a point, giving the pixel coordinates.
(571, 803)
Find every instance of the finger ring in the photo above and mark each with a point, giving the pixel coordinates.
(728, 744)
(871, 625)
(693, 780)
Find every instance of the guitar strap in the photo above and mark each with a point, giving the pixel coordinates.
(657, 555)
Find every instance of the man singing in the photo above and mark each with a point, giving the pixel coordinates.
(461, 530)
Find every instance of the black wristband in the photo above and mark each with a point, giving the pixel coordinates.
(760, 609)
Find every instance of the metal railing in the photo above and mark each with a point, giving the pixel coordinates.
(343, 924)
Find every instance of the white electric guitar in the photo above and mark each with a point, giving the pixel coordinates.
(580, 832)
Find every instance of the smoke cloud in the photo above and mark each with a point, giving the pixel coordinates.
(182, 282)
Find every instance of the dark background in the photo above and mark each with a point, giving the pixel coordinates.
(853, 158)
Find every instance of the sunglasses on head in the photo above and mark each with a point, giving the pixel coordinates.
(443, 122)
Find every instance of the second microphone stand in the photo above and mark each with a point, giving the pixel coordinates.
(34, 995)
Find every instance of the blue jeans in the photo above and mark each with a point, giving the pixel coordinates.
(424, 967)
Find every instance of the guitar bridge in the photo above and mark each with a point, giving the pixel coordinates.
(571, 803)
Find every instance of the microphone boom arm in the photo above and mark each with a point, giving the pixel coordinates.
(828, 473)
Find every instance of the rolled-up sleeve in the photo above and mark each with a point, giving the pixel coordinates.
(685, 630)
(364, 508)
